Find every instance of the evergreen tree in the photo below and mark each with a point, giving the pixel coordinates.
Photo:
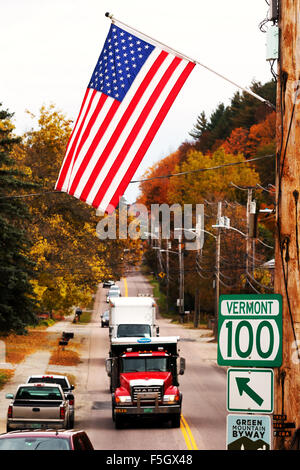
(16, 299)
(200, 127)
(244, 111)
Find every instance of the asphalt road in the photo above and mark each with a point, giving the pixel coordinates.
(203, 423)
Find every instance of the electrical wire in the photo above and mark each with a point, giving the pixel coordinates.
(257, 282)
(252, 287)
(264, 244)
(217, 167)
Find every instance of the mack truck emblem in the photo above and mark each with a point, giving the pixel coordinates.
(144, 340)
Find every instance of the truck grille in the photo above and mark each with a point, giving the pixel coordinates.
(146, 394)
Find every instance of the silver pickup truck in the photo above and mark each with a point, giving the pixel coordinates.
(67, 388)
(38, 406)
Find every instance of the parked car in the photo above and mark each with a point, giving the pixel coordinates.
(36, 406)
(108, 283)
(45, 440)
(63, 381)
(114, 291)
(105, 319)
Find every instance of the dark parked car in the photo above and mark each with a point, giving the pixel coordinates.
(105, 319)
(45, 440)
(108, 283)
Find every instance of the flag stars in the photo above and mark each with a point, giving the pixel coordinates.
(119, 63)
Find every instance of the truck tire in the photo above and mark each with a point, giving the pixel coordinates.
(175, 421)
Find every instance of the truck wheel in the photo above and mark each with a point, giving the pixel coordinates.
(175, 421)
(71, 423)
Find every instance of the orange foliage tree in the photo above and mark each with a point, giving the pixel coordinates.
(155, 191)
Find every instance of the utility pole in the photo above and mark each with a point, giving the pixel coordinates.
(181, 279)
(167, 271)
(218, 255)
(248, 241)
(287, 250)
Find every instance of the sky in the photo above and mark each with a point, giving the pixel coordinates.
(49, 49)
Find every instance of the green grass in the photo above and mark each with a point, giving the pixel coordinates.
(85, 317)
(160, 297)
(5, 376)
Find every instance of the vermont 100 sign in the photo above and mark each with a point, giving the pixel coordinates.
(250, 330)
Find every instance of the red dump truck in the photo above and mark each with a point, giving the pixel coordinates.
(144, 379)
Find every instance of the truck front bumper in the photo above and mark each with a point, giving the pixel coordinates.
(151, 410)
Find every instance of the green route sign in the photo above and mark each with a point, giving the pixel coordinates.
(250, 330)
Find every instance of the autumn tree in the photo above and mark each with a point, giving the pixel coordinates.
(70, 258)
(154, 190)
(243, 112)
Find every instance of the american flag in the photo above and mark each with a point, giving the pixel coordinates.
(130, 92)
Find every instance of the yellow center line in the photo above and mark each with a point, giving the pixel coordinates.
(187, 434)
(125, 286)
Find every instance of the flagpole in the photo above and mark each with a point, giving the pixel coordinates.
(246, 90)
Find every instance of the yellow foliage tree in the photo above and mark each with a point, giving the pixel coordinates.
(70, 260)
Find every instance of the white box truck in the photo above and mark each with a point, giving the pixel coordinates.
(132, 317)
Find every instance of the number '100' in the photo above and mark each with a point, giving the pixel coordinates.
(245, 338)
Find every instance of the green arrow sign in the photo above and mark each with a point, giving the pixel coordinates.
(250, 390)
(242, 383)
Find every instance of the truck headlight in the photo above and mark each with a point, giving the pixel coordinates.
(123, 399)
(171, 398)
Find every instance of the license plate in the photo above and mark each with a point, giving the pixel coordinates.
(148, 410)
(35, 426)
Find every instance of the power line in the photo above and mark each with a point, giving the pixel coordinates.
(202, 169)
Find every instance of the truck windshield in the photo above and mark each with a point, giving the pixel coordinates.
(143, 364)
(133, 330)
(50, 380)
(38, 393)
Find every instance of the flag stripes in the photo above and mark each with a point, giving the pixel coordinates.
(135, 138)
(147, 141)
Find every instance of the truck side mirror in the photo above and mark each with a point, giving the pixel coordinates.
(108, 366)
(182, 366)
(9, 395)
(157, 331)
